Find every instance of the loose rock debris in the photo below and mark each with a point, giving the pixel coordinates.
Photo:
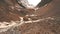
(4, 26)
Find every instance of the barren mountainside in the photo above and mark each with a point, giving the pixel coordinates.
(24, 20)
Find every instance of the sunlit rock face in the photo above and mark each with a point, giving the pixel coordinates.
(29, 3)
(33, 3)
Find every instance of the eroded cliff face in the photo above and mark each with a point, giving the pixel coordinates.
(10, 10)
(51, 9)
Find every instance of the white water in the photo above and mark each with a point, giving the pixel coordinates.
(13, 24)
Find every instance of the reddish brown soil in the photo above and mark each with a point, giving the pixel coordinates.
(9, 11)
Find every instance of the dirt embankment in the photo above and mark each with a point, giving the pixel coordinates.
(10, 10)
